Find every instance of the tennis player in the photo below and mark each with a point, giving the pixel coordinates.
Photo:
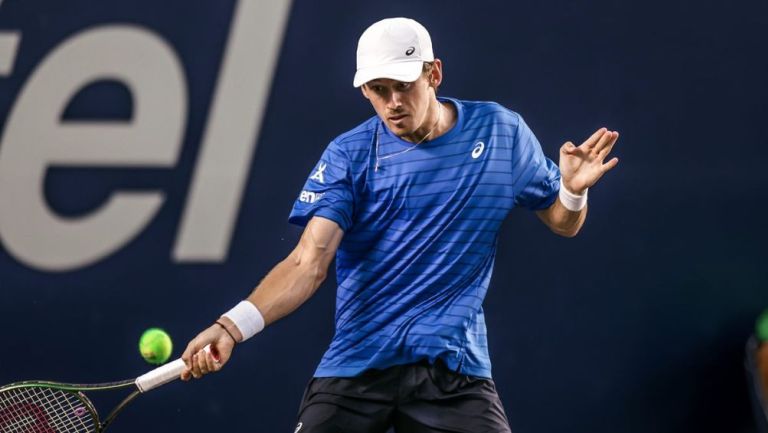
(409, 203)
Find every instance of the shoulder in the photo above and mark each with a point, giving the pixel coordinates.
(479, 112)
(352, 147)
(357, 137)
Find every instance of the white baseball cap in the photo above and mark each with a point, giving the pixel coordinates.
(394, 48)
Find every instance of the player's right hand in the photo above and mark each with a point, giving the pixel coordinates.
(200, 362)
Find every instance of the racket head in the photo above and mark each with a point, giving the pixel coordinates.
(55, 407)
(45, 407)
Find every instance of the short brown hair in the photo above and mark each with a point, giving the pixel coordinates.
(426, 68)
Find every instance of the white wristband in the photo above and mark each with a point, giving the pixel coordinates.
(247, 318)
(571, 201)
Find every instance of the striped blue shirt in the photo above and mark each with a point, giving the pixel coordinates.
(420, 235)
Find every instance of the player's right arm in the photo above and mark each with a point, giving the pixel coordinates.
(288, 285)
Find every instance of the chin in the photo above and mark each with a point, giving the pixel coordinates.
(399, 129)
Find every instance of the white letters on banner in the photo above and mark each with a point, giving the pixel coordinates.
(9, 44)
(35, 139)
(233, 128)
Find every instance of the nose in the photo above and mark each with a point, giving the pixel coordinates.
(394, 102)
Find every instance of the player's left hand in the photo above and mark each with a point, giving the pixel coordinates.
(582, 166)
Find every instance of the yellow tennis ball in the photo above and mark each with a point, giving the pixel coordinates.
(155, 346)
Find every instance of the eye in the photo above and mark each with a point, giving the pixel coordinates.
(402, 86)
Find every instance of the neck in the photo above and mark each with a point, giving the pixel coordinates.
(431, 127)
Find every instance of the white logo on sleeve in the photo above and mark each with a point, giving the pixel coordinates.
(298, 427)
(310, 197)
(478, 150)
(318, 176)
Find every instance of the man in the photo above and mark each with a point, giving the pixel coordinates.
(409, 203)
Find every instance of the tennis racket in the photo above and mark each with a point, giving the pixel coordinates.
(53, 407)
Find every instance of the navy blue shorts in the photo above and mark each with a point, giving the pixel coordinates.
(414, 398)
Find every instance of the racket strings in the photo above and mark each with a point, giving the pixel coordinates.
(43, 410)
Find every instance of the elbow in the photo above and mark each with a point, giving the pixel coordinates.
(315, 274)
(320, 275)
(567, 232)
(312, 268)
(561, 221)
(567, 227)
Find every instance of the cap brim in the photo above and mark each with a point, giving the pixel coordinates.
(401, 71)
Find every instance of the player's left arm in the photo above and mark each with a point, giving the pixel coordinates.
(580, 168)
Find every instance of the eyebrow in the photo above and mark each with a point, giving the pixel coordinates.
(379, 82)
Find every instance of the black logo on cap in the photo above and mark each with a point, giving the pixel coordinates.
(410, 51)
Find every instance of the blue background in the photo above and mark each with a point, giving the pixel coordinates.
(636, 325)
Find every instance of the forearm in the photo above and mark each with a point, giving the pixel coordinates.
(283, 290)
(286, 287)
(295, 279)
(563, 221)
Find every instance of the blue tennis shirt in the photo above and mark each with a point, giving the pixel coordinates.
(420, 235)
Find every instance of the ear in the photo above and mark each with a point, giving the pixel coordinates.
(364, 89)
(436, 75)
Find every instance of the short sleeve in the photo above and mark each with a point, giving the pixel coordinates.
(327, 191)
(536, 178)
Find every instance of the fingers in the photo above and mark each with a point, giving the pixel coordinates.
(188, 352)
(610, 164)
(595, 144)
(191, 355)
(211, 362)
(603, 152)
(202, 363)
(199, 361)
(593, 139)
(606, 142)
(187, 358)
(568, 148)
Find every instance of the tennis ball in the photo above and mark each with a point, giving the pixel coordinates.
(761, 326)
(155, 346)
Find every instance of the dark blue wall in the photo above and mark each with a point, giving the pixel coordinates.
(636, 325)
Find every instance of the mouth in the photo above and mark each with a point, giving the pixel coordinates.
(397, 118)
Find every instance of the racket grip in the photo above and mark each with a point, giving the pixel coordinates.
(162, 375)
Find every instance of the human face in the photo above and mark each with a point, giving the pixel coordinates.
(408, 109)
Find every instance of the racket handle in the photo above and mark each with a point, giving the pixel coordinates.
(162, 375)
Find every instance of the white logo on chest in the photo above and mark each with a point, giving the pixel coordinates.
(318, 176)
(478, 149)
